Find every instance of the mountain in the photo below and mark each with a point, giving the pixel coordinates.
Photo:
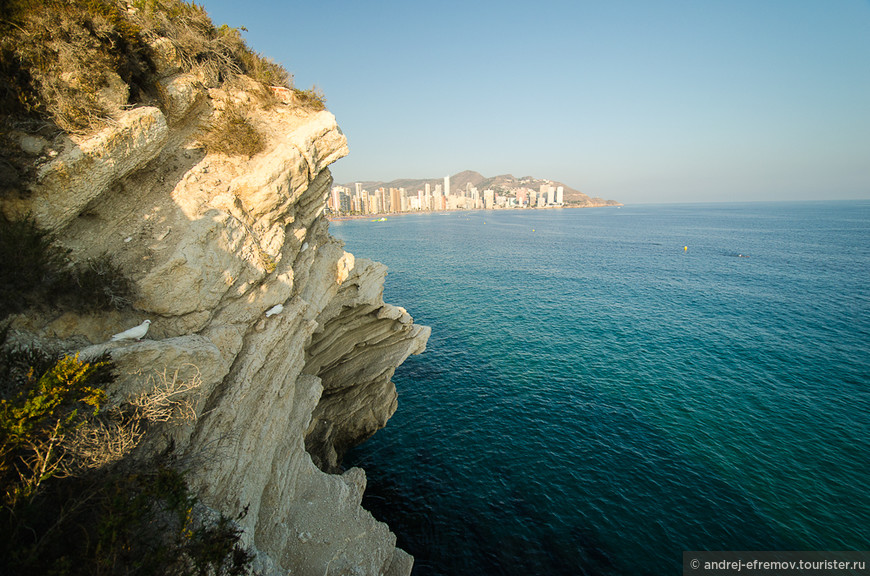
(506, 184)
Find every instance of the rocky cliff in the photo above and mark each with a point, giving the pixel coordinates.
(212, 242)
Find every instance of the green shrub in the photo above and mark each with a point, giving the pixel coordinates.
(148, 520)
(17, 365)
(36, 422)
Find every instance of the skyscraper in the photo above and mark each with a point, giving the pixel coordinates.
(447, 185)
(488, 199)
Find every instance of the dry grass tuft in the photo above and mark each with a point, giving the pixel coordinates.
(107, 439)
(313, 98)
(169, 399)
(102, 442)
(232, 133)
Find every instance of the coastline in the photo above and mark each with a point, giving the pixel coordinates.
(333, 218)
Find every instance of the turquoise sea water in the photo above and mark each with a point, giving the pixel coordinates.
(595, 399)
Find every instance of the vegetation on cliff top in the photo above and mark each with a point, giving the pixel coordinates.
(73, 65)
(59, 57)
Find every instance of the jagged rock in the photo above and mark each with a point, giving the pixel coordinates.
(180, 93)
(213, 242)
(165, 57)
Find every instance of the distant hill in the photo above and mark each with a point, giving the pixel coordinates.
(506, 184)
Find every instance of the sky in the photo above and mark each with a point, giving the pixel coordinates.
(633, 100)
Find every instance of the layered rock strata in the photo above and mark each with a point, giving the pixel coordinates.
(213, 242)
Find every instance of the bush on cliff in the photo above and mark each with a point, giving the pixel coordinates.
(62, 60)
(35, 271)
(231, 132)
(31, 264)
(313, 98)
(62, 515)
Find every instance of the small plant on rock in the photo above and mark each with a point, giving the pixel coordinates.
(101, 284)
(31, 264)
(35, 270)
(313, 98)
(36, 424)
(233, 133)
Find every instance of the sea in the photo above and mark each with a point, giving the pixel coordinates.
(606, 388)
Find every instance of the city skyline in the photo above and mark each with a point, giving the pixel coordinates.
(344, 201)
(641, 102)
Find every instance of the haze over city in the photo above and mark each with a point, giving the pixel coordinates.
(672, 101)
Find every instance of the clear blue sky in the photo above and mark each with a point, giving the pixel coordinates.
(634, 100)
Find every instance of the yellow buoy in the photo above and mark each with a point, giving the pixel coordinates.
(685, 248)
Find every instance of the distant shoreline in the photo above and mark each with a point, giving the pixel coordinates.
(391, 214)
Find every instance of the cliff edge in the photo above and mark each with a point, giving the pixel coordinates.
(212, 242)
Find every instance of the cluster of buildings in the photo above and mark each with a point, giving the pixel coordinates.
(344, 200)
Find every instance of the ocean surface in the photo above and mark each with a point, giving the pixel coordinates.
(606, 388)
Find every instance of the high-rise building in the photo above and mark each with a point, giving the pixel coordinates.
(447, 185)
(560, 195)
(395, 200)
(522, 197)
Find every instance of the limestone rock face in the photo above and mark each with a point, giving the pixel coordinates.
(350, 346)
(213, 242)
(67, 184)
